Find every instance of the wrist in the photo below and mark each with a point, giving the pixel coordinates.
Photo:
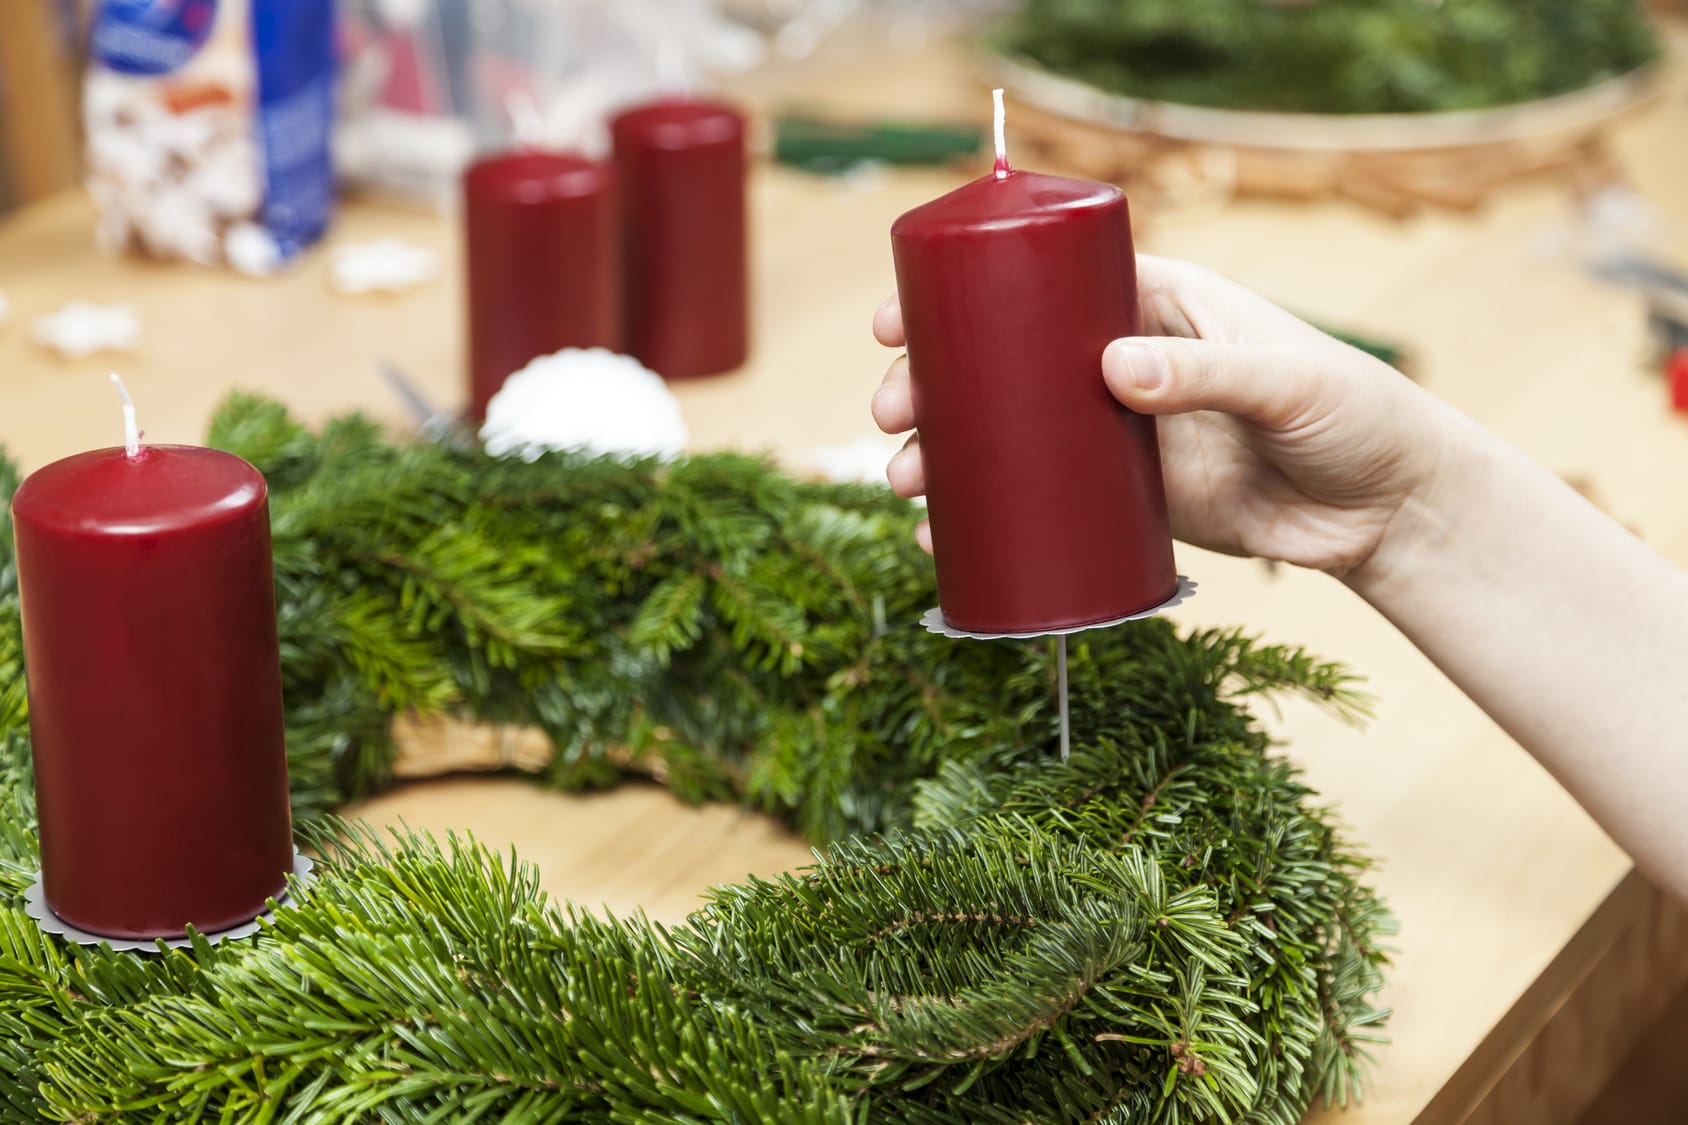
(1453, 457)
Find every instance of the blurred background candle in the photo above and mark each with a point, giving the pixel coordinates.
(541, 259)
(681, 167)
(1046, 499)
(154, 689)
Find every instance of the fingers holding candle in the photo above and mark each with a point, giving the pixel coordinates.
(1189, 301)
(905, 472)
(888, 322)
(1162, 375)
(1277, 440)
(1208, 344)
(893, 402)
(893, 412)
(893, 409)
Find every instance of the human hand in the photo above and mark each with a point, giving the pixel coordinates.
(1276, 440)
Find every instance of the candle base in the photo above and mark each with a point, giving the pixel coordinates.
(35, 905)
(934, 621)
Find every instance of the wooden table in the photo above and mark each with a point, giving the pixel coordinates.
(1515, 908)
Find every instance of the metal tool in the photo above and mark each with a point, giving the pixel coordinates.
(434, 424)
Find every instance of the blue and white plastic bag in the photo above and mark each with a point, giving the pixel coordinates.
(209, 128)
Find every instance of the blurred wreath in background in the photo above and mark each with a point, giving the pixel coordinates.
(1333, 56)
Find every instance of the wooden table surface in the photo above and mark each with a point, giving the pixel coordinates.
(1497, 876)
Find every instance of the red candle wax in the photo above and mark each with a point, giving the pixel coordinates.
(542, 260)
(680, 164)
(1045, 494)
(1676, 370)
(154, 689)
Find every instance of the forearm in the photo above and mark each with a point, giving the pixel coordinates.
(1561, 625)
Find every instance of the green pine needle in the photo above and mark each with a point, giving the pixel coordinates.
(1167, 929)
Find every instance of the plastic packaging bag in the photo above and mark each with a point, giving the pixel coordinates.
(208, 125)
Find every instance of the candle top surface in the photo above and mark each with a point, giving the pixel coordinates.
(534, 176)
(675, 122)
(1019, 199)
(163, 488)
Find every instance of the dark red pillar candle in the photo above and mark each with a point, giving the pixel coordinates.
(680, 165)
(1045, 494)
(154, 689)
(542, 263)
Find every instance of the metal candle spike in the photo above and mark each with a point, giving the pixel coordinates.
(1061, 686)
(934, 622)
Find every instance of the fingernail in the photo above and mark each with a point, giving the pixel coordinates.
(1145, 365)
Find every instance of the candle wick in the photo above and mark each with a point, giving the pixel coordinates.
(1001, 115)
(131, 432)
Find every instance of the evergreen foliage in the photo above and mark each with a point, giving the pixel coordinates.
(1166, 929)
(1334, 56)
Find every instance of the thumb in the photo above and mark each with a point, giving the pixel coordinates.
(1172, 375)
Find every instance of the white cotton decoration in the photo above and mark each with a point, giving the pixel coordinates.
(251, 250)
(386, 265)
(176, 223)
(588, 399)
(226, 178)
(126, 157)
(187, 135)
(861, 461)
(81, 329)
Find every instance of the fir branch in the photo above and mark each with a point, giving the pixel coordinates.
(1165, 930)
(671, 618)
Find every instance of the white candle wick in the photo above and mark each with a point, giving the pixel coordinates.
(1001, 116)
(131, 432)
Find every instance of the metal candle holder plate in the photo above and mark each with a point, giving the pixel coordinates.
(35, 905)
(934, 621)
